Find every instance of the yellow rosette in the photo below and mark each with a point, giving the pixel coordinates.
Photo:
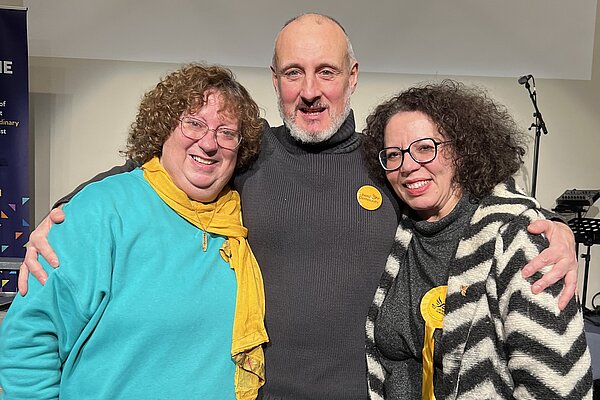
(433, 305)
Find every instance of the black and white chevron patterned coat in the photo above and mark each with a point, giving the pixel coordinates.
(499, 340)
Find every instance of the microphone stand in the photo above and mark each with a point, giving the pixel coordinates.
(540, 126)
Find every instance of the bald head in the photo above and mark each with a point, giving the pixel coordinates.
(313, 23)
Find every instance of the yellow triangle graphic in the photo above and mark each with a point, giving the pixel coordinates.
(4, 282)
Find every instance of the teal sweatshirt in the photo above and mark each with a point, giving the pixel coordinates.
(136, 310)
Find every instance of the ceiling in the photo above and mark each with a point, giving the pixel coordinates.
(546, 38)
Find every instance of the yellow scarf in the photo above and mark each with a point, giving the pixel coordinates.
(223, 217)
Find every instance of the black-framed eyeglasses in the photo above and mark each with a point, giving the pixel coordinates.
(422, 151)
(195, 129)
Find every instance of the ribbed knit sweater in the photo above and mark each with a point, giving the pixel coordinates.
(321, 255)
(399, 327)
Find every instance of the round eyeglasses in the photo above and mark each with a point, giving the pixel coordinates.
(195, 129)
(422, 151)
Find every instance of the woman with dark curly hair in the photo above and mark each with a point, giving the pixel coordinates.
(453, 317)
(126, 316)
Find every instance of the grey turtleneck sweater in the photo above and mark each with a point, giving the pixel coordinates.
(321, 256)
(399, 329)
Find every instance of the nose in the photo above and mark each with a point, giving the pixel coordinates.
(409, 164)
(310, 88)
(208, 142)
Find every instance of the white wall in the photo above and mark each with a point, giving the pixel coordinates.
(459, 37)
(81, 110)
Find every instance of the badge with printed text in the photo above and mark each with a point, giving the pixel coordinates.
(433, 305)
(369, 197)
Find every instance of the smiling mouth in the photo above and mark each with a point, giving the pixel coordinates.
(202, 160)
(416, 185)
(312, 110)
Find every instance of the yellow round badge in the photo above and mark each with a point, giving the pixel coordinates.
(369, 197)
(433, 305)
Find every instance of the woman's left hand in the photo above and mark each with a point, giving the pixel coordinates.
(560, 253)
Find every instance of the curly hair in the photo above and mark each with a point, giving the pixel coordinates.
(487, 146)
(183, 91)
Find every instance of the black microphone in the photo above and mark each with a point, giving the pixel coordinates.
(524, 79)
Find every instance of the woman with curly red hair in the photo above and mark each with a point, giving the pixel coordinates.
(158, 294)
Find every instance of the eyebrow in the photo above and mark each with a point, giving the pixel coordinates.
(318, 67)
(225, 125)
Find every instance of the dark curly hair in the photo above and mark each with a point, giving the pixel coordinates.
(184, 91)
(487, 146)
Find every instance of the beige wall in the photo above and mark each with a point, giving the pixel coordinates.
(81, 110)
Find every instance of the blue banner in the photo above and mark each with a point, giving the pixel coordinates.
(14, 133)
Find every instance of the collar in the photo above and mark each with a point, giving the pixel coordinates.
(345, 140)
(457, 219)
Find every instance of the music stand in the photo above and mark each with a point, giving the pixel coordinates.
(587, 232)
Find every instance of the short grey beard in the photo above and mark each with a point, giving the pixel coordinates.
(313, 137)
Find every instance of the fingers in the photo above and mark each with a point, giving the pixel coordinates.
(23, 275)
(535, 265)
(560, 253)
(569, 290)
(540, 226)
(38, 245)
(38, 242)
(545, 257)
(549, 278)
(31, 265)
(553, 276)
(43, 248)
(563, 267)
(57, 215)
